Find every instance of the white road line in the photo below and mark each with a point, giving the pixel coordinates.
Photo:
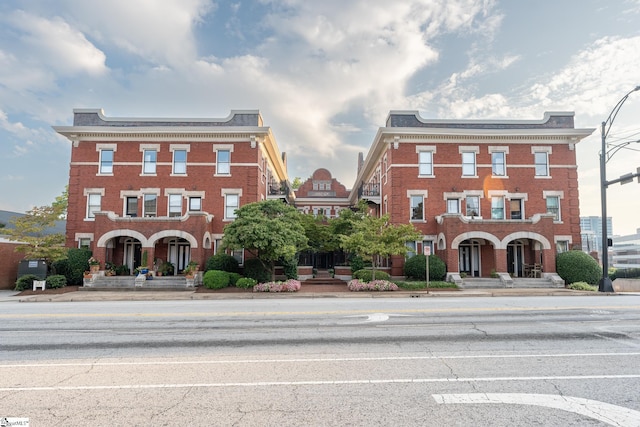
(601, 411)
(321, 383)
(322, 360)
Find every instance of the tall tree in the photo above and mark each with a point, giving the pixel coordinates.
(270, 230)
(374, 237)
(33, 231)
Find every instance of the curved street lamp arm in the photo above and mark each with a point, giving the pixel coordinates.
(614, 112)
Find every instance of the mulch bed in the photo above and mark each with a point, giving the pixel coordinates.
(50, 291)
(303, 289)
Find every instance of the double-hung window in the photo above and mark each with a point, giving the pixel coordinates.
(541, 160)
(175, 205)
(131, 206)
(179, 162)
(150, 205)
(473, 205)
(195, 204)
(498, 167)
(417, 207)
(94, 201)
(497, 207)
(106, 161)
(553, 206)
(425, 163)
(223, 162)
(149, 161)
(231, 203)
(453, 206)
(516, 208)
(468, 163)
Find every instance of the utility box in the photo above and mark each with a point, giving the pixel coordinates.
(37, 267)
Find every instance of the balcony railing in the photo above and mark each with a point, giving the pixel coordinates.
(369, 190)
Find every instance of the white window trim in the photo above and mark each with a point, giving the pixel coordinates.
(223, 147)
(168, 196)
(427, 149)
(233, 191)
(149, 147)
(560, 196)
(425, 195)
(104, 147)
(542, 149)
(179, 147)
(505, 175)
(469, 149)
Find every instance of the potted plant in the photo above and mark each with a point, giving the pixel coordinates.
(166, 269)
(144, 266)
(94, 265)
(191, 269)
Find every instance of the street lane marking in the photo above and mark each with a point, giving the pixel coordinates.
(324, 359)
(319, 383)
(313, 313)
(601, 411)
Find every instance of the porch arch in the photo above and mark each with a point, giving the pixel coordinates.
(102, 241)
(526, 235)
(455, 243)
(173, 233)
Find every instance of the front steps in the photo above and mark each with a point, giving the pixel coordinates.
(518, 283)
(169, 283)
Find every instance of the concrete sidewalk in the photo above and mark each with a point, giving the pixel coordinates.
(169, 295)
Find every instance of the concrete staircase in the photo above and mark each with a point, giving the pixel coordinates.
(170, 283)
(518, 283)
(323, 278)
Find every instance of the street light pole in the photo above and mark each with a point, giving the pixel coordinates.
(605, 284)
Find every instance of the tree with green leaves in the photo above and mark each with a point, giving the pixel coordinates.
(297, 182)
(374, 237)
(31, 231)
(269, 230)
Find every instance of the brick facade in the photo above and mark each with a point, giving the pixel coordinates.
(174, 204)
(521, 173)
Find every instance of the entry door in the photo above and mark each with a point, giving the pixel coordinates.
(515, 259)
(132, 251)
(179, 254)
(469, 259)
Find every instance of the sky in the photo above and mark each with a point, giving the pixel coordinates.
(324, 75)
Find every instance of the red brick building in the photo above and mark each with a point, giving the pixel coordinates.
(166, 187)
(488, 197)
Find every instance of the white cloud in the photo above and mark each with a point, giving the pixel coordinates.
(160, 34)
(52, 43)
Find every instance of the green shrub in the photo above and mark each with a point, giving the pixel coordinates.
(123, 270)
(290, 268)
(246, 283)
(26, 282)
(578, 266)
(418, 285)
(627, 273)
(415, 267)
(222, 262)
(233, 278)
(216, 279)
(56, 281)
(583, 286)
(78, 264)
(61, 266)
(254, 269)
(367, 275)
(357, 263)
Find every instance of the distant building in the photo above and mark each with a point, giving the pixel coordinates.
(591, 232)
(625, 252)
